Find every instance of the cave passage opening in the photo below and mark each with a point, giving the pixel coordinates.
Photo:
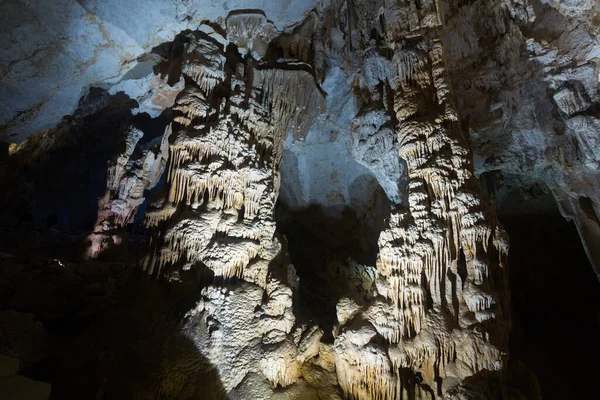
(331, 210)
(555, 296)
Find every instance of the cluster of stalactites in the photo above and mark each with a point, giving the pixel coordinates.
(203, 64)
(193, 241)
(129, 175)
(294, 101)
(459, 354)
(224, 160)
(440, 255)
(443, 218)
(368, 376)
(234, 189)
(226, 191)
(204, 61)
(280, 371)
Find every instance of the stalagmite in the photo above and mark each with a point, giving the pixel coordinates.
(216, 211)
(442, 225)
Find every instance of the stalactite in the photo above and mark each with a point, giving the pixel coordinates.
(424, 241)
(426, 301)
(280, 371)
(368, 376)
(217, 207)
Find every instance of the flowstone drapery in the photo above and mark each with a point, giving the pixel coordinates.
(438, 313)
(441, 277)
(216, 214)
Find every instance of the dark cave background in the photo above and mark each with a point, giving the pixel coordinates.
(555, 299)
(56, 178)
(318, 245)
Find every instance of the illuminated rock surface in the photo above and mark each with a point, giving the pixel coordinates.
(298, 193)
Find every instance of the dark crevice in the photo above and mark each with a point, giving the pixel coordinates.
(322, 250)
(555, 300)
(461, 267)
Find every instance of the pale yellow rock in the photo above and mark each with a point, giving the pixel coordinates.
(428, 309)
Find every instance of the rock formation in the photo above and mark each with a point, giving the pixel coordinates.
(526, 77)
(371, 110)
(105, 44)
(216, 214)
(134, 171)
(440, 307)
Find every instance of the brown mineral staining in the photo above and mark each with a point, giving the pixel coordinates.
(334, 177)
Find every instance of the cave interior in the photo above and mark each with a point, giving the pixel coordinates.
(81, 314)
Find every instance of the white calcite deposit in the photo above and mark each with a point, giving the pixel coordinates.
(439, 308)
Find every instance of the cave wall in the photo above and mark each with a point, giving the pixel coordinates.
(526, 79)
(318, 230)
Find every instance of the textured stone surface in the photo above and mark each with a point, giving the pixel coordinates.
(223, 172)
(52, 52)
(357, 99)
(526, 77)
(438, 307)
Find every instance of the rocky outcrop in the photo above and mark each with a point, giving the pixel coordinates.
(440, 268)
(133, 172)
(525, 76)
(440, 313)
(55, 177)
(54, 51)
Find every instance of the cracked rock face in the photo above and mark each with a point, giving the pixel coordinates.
(526, 76)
